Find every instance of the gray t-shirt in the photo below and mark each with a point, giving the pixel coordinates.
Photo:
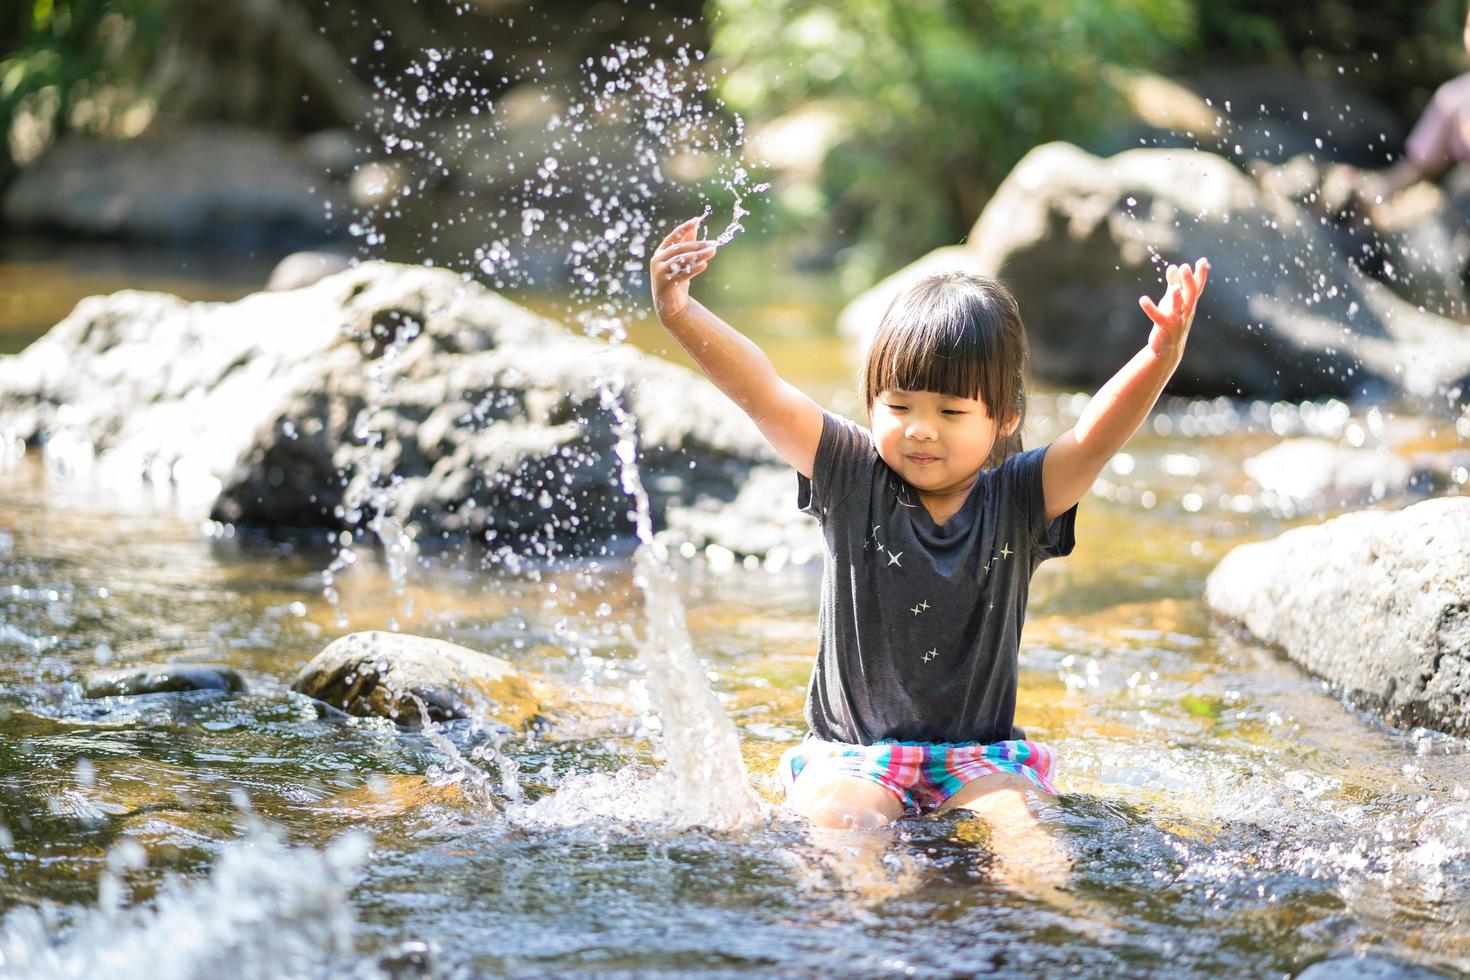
(921, 623)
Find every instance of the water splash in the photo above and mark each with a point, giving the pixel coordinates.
(738, 209)
(473, 781)
(369, 500)
(266, 911)
(703, 781)
(598, 203)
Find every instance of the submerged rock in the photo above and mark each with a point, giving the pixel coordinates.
(160, 678)
(1079, 238)
(377, 673)
(1376, 602)
(390, 795)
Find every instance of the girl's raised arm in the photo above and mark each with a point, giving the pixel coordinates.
(786, 416)
(1077, 456)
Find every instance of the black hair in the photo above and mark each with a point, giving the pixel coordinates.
(955, 334)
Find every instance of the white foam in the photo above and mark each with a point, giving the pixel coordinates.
(266, 911)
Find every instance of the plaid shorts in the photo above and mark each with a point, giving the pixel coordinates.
(922, 774)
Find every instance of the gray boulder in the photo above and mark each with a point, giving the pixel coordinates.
(1375, 602)
(380, 674)
(400, 398)
(1417, 244)
(216, 185)
(1079, 238)
(161, 678)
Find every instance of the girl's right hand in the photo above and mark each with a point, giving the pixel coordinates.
(678, 258)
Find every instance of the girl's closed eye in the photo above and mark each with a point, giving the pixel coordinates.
(947, 411)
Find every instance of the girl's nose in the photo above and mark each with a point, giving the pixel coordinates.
(918, 430)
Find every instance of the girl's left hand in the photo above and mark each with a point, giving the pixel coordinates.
(1174, 313)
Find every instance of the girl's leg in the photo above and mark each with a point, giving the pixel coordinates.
(850, 819)
(835, 800)
(1027, 855)
(1009, 804)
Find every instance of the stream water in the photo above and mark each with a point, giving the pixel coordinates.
(1225, 812)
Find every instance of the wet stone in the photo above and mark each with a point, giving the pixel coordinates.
(380, 674)
(1377, 602)
(1369, 967)
(161, 678)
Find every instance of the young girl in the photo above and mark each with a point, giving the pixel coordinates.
(934, 522)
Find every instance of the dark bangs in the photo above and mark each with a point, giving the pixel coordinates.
(954, 334)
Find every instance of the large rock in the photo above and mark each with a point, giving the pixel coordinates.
(381, 674)
(1376, 602)
(1311, 473)
(1369, 966)
(1079, 238)
(399, 398)
(215, 185)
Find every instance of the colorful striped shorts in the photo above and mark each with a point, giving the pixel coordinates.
(922, 774)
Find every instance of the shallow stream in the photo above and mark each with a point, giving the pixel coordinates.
(1227, 814)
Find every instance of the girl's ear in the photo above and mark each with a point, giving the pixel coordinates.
(1010, 426)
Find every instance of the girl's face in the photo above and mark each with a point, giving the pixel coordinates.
(935, 442)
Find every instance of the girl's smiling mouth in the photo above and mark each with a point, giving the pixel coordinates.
(922, 459)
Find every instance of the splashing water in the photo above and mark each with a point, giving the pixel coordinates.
(267, 911)
(368, 502)
(704, 782)
(473, 781)
(738, 211)
(598, 205)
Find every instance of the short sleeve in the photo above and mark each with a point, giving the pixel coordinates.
(1436, 142)
(1049, 539)
(845, 455)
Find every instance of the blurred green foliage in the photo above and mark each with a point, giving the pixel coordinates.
(58, 54)
(916, 108)
(935, 100)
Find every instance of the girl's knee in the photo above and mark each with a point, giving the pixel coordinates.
(843, 802)
(832, 815)
(1002, 795)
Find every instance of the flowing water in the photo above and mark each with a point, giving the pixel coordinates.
(1224, 812)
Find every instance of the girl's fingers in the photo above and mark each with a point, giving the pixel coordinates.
(681, 232)
(1152, 311)
(1202, 271)
(1189, 286)
(680, 271)
(684, 248)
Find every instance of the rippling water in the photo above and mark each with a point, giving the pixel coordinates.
(1226, 813)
